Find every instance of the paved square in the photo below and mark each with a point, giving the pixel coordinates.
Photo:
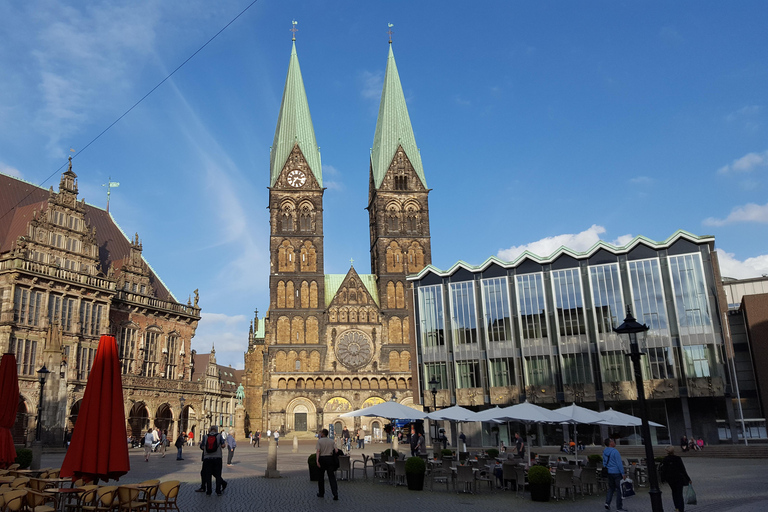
(738, 485)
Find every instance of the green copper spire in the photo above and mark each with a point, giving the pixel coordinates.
(393, 128)
(294, 125)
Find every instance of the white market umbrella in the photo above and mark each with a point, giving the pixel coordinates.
(525, 412)
(455, 413)
(617, 418)
(389, 410)
(577, 414)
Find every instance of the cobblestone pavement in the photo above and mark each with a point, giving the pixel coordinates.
(736, 485)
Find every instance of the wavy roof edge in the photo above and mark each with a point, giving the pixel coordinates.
(600, 244)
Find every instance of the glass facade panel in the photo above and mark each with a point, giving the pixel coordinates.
(463, 313)
(468, 374)
(697, 360)
(648, 296)
(608, 312)
(438, 371)
(502, 372)
(535, 344)
(691, 304)
(496, 312)
(431, 316)
(569, 302)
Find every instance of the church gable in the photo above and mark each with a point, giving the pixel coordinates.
(296, 173)
(401, 175)
(352, 298)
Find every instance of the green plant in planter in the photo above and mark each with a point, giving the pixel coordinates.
(594, 460)
(492, 452)
(446, 453)
(314, 471)
(392, 454)
(415, 467)
(539, 475)
(23, 457)
(540, 482)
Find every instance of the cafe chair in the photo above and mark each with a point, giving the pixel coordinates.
(344, 467)
(363, 465)
(564, 480)
(170, 491)
(485, 475)
(465, 479)
(103, 499)
(75, 501)
(20, 481)
(14, 500)
(36, 502)
(441, 476)
(399, 478)
(127, 498)
(520, 480)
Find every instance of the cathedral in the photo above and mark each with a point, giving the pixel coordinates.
(333, 343)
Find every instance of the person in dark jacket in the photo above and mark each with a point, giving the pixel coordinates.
(673, 472)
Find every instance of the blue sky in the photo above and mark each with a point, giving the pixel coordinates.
(540, 124)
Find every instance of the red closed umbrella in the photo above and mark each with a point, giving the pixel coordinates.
(9, 405)
(98, 448)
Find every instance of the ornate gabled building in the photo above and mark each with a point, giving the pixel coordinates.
(68, 274)
(333, 343)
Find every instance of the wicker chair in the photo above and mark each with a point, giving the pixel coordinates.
(364, 466)
(345, 468)
(441, 476)
(399, 476)
(170, 491)
(465, 479)
(564, 480)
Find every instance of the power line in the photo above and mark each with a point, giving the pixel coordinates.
(133, 106)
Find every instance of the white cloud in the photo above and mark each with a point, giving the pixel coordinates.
(747, 111)
(751, 267)
(332, 178)
(228, 334)
(641, 180)
(748, 213)
(10, 171)
(746, 163)
(546, 246)
(373, 83)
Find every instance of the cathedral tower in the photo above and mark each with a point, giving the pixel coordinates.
(296, 220)
(397, 207)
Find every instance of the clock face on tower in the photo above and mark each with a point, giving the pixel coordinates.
(354, 349)
(296, 178)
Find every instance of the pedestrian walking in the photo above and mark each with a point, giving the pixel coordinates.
(612, 462)
(324, 450)
(149, 438)
(212, 461)
(673, 472)
(257, 439)
(163, 441)
(190, 438)
(180, 441)
(231, 445)
(277, 438)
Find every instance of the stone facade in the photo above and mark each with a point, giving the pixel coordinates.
(68, 275)
(334, 343)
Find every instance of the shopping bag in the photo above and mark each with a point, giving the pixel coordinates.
(690, 495)
(627, 488)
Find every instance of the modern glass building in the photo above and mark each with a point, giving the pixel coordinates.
(541, 328)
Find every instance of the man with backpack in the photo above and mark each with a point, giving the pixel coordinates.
(212, 461)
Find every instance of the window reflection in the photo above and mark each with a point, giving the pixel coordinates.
(496, 309)
(431, 309)
(464, 322)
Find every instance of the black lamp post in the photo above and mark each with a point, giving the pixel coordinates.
(433, 382)
(42, 373)
(181, 414)
(635, 330)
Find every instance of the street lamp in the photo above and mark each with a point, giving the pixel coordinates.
(42, 373)
(181, 414)
(433, 382)
(635, 330)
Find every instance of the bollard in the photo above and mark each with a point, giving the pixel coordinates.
(295, 444)
(272, 471)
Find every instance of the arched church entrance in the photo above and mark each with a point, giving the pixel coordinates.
(301, 415)
(164, 417)
(19, 430)
(138, 420)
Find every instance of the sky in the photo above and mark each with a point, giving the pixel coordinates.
(540, 124)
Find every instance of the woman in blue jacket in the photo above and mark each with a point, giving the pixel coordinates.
(612, 462)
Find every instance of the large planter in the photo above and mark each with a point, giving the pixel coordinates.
(415, 481)
(315, 473)
(540, 492)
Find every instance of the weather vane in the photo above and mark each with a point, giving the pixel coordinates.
(294, 29)
(110, 185)
(390, 32)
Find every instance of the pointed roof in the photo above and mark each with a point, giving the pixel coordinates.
(333, 283)
(393, 128)
(294, 125)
